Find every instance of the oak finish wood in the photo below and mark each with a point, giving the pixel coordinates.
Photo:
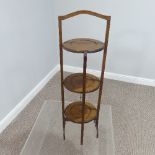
(80, 45)
(81, 48)
(83, 94)
(74, 83)
(84, 12)
(102, 72)
(73, 112)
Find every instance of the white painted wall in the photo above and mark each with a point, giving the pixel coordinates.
(26, 54)
(29, 41)
(131, 47)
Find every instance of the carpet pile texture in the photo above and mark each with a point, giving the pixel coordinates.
(133, 116)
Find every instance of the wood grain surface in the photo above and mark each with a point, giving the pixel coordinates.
(81, 45)
(74, 83)
(73, 112)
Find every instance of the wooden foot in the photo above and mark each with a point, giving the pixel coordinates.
(82, 131)
(64, 123)
(64, 135)
(96, 128)
(97, 134)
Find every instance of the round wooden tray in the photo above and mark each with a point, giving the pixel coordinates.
(74, 83)
(81, 45)
(73, 112)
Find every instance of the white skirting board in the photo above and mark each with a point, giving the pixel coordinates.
(20, 106)
(114, 76)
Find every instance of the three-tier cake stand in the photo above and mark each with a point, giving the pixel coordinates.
(82, 111)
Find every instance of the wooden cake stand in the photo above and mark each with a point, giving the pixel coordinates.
(81, 111)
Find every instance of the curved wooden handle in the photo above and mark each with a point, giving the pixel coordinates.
(84, 12)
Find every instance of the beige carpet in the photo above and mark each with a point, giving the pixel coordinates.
(133, 110)
(46, 136)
